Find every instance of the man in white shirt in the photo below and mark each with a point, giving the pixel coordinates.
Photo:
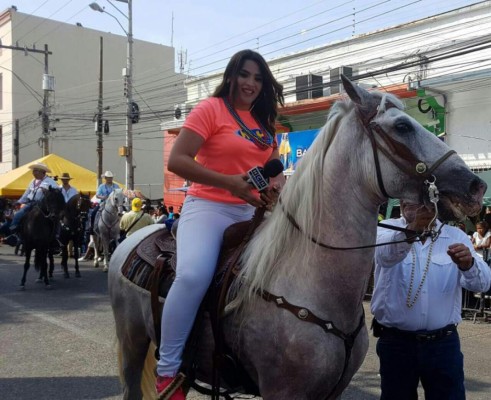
(67, 190)
(34, 192)
(417, 306)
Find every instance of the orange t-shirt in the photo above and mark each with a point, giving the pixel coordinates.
(226, 149)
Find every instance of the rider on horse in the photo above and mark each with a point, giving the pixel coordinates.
(103, 192)
(31, 197)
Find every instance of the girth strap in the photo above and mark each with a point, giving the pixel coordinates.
(304, 314)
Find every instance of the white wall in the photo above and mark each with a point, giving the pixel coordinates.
(75, 66)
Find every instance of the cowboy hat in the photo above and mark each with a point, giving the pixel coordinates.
(65, 176)
(40, 166)
(108, 174)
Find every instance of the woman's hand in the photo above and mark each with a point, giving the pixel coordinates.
(270, 196)
(238, 186)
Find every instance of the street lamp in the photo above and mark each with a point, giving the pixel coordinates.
(128, 84)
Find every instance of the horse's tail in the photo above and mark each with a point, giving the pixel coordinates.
(148, 372)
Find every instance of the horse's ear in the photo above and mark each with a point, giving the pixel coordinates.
(357, 94)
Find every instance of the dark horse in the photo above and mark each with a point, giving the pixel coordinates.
(38, 232)
(73, 220)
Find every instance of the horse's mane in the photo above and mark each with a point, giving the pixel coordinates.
(277, 240)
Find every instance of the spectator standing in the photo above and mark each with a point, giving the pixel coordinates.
(135, 219)
(481, 238)
(417, 306)
(67, 190)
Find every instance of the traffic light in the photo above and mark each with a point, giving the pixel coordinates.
(135, 112)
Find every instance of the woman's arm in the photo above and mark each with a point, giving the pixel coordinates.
(182, 162)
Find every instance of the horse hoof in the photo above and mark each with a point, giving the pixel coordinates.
(22, 288)
(48, 287)
(39, 280)
(105, 269)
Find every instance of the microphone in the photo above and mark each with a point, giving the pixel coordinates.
(259, 177)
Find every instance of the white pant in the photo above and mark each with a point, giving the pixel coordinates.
(199, 239)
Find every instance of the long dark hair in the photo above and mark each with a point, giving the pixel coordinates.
(265, 107)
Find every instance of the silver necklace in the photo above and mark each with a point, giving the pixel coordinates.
(409, 302)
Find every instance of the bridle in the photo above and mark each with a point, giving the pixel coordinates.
(112, 206)
(398, 153)
(405, 160)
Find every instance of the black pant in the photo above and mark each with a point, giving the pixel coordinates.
(438, 364)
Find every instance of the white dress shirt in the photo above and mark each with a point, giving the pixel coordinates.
(35, 189)
(439, 301)
(68, 194)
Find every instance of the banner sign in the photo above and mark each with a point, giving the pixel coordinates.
(293, 145)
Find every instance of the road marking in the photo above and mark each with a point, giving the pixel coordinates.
(58, 322)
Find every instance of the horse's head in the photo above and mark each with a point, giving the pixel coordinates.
(84, 203)
(406, 158)
(53, 201)
(116, 199)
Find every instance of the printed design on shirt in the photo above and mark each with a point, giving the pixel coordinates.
(256, 132)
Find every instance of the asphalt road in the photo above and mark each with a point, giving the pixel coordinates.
(60, 343)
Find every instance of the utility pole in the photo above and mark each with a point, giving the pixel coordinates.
(98, 125)
(45, 112)
(130, 172)
(47, 86)
(16, 144)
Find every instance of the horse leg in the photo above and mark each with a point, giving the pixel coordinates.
(26, 268)
(133, 353)
(41, 263)
(64, 260)
(75, 256)
(51, 263)
(96, 251)
(106, 255)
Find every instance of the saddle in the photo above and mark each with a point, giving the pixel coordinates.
(152, 266)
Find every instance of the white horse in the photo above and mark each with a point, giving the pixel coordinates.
(299, 326)
(107, 226)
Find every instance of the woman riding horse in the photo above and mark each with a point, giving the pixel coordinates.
(296, 323)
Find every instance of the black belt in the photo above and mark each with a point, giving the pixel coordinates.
(421, 336)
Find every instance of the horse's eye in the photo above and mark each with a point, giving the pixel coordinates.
(403, 127)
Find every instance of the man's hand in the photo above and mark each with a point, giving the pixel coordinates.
(461, 255)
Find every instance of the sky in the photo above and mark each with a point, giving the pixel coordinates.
(208, 32)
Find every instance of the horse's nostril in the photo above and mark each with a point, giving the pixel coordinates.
(477, 186)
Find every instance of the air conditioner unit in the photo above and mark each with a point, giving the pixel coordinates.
(335, 78)
(308, 87)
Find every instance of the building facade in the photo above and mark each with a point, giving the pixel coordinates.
(70, 109)
(440, 65)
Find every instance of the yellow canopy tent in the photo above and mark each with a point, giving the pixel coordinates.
(14, 183)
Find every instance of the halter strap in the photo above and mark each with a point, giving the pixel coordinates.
(412, 167)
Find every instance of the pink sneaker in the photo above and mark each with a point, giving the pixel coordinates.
(170, 388)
